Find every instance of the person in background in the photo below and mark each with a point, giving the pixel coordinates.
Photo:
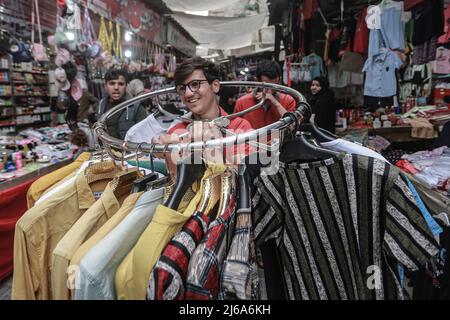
(277, 103)
(79, 139)
(322, 104)
(135, 88)
(228, 95)
(197, 83)
(115, 89)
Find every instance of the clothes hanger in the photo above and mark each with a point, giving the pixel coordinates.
(300, 149)
(158, 183)
(103, 170)
(244, 188)
(444, 218)
(141, 183)
(123, 181)
(211, 187)
(189, 170)
(316, 132)
(226, 192)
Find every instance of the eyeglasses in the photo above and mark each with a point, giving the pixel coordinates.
(193, 85)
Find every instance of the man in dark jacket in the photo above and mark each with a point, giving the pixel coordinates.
(323, 104)
(115, 87)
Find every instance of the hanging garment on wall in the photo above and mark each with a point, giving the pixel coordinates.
(445, 38)
(428, 21)
(425, 52)
(315, 63)
(361, 38)
(381, 74)
(331, 236)
(441, 64)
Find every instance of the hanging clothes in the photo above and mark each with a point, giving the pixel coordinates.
(167, 279)
(143, 209)
(361, 38)
(37, 234)
(98, 267)
(336, 221)
(133, 272)
(42, 184)
(380, 72)
(316, 65)
(205, 265)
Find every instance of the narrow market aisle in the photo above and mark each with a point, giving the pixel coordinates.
(5, 289)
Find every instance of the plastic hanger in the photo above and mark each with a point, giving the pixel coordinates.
(244, 188)
(298, 148)
(141, 183)
(189, 170)
(316, 132)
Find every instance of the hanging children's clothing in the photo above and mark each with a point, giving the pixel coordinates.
(381, 81)
(315, 64)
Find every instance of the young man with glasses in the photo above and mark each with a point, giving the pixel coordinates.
(197, 81)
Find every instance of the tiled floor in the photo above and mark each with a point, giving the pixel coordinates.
(5, 289)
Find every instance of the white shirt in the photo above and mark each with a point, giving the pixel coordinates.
(145, 130)
(352, 148)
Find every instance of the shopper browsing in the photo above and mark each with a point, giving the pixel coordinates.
(115, 88)
(323, 104)
(276, 104)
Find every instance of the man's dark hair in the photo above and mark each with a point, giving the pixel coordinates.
(269, 68)
(185, 69)
(114, 74)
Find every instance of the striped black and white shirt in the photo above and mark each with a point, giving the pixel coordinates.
(338, 223)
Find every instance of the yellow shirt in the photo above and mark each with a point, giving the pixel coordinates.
(43, 183)
(109, 225)
(38, 232)
(133, 272)
(103, 209)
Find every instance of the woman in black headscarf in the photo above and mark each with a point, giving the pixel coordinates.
(322, 104)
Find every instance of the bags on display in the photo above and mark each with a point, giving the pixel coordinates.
(38, 50)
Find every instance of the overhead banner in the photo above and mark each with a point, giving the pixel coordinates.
(179, 41)
(198, 5)
(219, 32)
(133, 15)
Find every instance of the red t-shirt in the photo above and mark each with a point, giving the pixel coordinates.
(361, 39)
(260, 118)
(237, 125)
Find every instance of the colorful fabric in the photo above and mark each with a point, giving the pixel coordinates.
(167, 279)
(203, 280)
(339, 223)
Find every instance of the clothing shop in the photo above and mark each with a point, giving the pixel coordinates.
(195, 204)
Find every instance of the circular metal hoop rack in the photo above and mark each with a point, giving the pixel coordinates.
(302, 111)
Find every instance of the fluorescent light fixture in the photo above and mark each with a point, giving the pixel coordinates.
(128, 36)
(242, 72)
(127, 54)
(70, 35)
(246, 70)
(197, 13)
